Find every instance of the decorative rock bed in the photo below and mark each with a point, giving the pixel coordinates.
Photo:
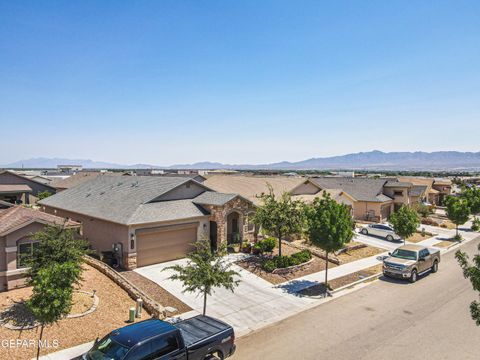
(283, 271)
(19, 311)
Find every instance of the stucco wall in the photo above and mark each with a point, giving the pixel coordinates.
(100, 234)
(7, 178)
(306, 188)
(361, 208)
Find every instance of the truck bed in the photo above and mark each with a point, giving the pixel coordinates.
(200, 328)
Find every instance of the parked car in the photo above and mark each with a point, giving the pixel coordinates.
(410, 261)
(381, 230)
(197, 338)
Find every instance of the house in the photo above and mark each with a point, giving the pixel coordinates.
(252, 187)
(430, 194)
(151, 219)
(444, 188)
(74, 180)
(368, 197)
(17, 223)
(69, 168)
(18, 189)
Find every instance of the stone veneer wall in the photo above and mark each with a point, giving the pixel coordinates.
(154, 308)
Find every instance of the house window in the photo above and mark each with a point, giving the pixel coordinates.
(398, 193)
(24, 253)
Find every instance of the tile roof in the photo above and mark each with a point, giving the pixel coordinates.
(213, 198)
(250, 187)
(17, 216)
(118, 198)
(361, 189)
(14, 188)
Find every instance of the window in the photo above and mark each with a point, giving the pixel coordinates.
(163, 345)
(398, 193)
(24, 253)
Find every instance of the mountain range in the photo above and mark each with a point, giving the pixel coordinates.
(372, 160)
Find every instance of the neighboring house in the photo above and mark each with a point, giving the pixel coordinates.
(436, 189)
(252, 187)
(444, 188)
(74, 180)
(17, 223)
(151, 219)
(17, 189)
(369, 200)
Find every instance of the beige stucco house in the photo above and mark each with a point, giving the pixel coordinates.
(17, 224)
(148, 219)
(18, 189)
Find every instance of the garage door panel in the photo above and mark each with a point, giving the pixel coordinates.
(163, 246)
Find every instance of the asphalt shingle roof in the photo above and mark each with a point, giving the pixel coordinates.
(213, 198)
(166, 211)
(121, 199)
(418, 190)
(362, 189)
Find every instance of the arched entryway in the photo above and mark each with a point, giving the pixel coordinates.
(234, 227)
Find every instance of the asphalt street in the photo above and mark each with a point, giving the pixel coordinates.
(387, 319)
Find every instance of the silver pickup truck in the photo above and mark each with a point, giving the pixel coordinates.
(409, 261)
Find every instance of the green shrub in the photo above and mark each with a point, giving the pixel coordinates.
(266, 245)
(269, 266)
(476, 224)
(279, 262)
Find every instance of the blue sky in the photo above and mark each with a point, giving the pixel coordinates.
(167, 82)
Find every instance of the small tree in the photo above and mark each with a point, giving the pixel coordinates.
(55, 267)
(43, 194)
(51, 298)
(329, 226)
(279, 216)
(206, 269)
(458, 211)
(405, 222)
(472, 272)
(472, 195)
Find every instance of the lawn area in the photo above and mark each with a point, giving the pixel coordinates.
(253, 264)
(157, 293)
(417, 237)
(318, 290)
(112, 312)
(357, 254)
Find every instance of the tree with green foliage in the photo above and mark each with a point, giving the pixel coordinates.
(405, 221)
(206, 269)
(329, 226)
(43, 194)
(52, 292)
(279, 216)
(55, 267)
(458, 211)
(471, 272)
(472, 195)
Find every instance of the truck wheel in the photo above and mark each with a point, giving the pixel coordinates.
(389, 238)
(435, 266)
(214, 357)
(364, 231)
(414, 276)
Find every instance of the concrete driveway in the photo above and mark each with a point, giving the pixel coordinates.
(255, 303)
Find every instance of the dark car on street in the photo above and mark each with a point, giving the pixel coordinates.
(197, 338)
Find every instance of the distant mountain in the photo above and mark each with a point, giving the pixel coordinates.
(372, 160)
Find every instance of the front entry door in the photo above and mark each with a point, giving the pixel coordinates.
(213, 235)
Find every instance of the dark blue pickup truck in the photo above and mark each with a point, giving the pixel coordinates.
(197, 338)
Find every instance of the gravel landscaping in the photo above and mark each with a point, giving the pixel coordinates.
(417, 237)
(112, 312)
(357, 254)
(319, 290)
(157, 293)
